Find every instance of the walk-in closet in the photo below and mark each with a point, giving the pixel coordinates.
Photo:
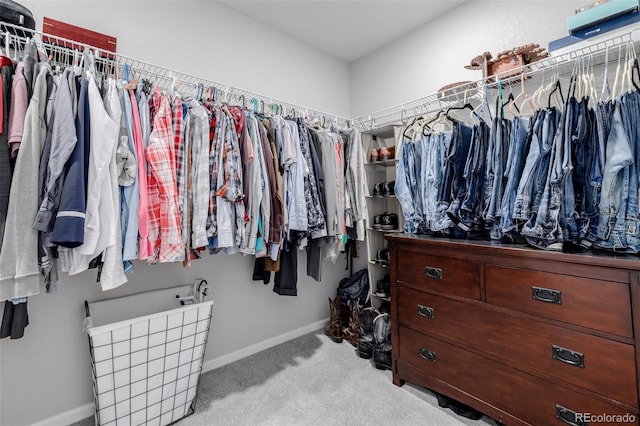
(319, 212)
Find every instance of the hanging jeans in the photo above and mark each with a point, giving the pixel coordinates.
(434, 149)
(631, 109)
(615, 185)
(454, 186)
(603, 115)
(496, 176)
(487, 184)
(520, 137)
(574, 133)
(470, 218)
(584, 150)
(542, 230)
(533, 179)
(405, 184)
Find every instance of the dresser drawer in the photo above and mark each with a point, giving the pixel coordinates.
(432, 363)
(439, 274)
(580, 359)
(595, 304)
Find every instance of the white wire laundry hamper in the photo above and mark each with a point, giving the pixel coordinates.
(147, 351)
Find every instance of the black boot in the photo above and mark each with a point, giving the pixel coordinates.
(382, 346)
(365, 332)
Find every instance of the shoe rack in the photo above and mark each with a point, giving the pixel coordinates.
(385, 214)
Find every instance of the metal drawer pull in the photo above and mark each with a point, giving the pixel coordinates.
(431, 272)
(427, 354)
(546, 295)
(425, 311)
(567, 356)
(569, 416)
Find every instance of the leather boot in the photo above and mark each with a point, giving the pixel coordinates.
(365, 332)
(382, 346)
(334, 328)
(351, 332)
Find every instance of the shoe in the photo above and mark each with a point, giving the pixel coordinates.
(333, 329)
(365, 332)
(383, 287)
(387, 153)
(351, 332)
(378, 189)
(377, 221)
(389, 188)
(458, 407)
(382, 345)
(385, 307)
(383, 256)
(374, 155)
(389, 221)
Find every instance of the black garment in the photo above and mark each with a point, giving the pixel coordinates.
(286, 280)
(316, 160)
(314, 258)
(14, 320)
(259, 272)
(6, 165)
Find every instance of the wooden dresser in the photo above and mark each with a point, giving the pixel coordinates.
(523, 335)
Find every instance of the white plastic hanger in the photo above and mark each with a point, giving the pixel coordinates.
(524, 99)
(616, 81)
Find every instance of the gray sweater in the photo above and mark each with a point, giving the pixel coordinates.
(19, 273)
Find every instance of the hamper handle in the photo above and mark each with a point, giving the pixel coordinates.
(86, 309)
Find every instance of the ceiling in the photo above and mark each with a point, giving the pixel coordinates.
(345, 29)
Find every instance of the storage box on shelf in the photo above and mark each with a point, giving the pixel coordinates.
(522, 335)
(385, 214)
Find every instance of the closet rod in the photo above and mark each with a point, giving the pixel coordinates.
(187, 83)
(563, 64)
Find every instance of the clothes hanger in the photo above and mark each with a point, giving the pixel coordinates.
(427, 122)
(510, 100)
(484, 104)
(442, 123)
(629, 69)
(466, 106)
(616, 81)
(513, 106)
(556, 90)
(605, 94)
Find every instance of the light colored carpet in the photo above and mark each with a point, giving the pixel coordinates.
(312, 381)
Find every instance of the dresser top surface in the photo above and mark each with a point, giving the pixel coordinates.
(590, 257)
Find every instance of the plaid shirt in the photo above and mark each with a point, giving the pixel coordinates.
(164, 215)
(217, 121)
(180, 150)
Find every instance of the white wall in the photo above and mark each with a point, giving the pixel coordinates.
(435, 54)
(48, 371)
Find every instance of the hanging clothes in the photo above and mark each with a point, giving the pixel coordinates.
(6, 164)
(144, 245)
(100, 224)
(19, 272)
(199, 122)
(113, 274)
(164, 216)
(130, 188)
(69, 226)
(18, 108)
(354, 179)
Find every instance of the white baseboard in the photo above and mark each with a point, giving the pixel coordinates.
(72, 416)
(79, 413)
(212, 364)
